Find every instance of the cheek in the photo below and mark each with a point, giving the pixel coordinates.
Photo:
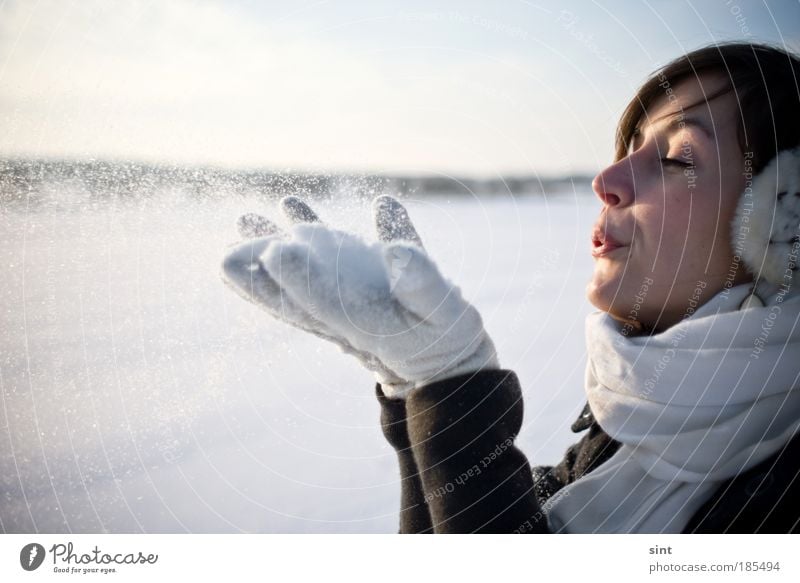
(695, 238)
(662, 228)
(675, 236)
(710, 226)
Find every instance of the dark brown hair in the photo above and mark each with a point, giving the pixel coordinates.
(765, 79)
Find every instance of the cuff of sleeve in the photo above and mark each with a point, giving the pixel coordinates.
(393, 419)
(481, 405)
(462, 433)
(476, 403)
(396, 391)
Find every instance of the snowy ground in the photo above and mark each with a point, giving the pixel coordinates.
(139, 394)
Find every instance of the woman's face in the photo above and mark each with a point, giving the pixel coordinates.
(661, 245)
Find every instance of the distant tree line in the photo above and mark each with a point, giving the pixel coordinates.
(27, 180)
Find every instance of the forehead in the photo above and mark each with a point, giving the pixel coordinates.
(698, 95)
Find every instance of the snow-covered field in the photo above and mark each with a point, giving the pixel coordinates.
(140, 394)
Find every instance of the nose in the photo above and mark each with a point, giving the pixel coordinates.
(614, 186)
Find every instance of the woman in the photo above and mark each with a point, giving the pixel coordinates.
(692, 381)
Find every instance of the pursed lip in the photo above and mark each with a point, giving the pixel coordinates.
(603, 242)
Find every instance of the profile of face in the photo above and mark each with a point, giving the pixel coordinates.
(661, 245)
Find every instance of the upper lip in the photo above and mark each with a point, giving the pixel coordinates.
(601, 236)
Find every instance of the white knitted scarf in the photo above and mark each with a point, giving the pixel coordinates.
(693, 406)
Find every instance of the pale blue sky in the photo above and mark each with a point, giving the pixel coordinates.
(481, 88)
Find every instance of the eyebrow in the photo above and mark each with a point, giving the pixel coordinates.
(679, 121)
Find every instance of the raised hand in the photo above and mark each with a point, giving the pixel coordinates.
(385, 302)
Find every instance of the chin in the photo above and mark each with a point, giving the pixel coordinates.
(608, 296)
(600, 293)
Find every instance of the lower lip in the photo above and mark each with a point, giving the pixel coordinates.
(605, 249)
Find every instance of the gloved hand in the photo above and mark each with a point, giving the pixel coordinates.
(386, 303)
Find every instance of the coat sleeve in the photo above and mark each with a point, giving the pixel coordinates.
(464, 467)
(415, 517)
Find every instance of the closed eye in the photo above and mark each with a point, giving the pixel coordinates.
(674, 162)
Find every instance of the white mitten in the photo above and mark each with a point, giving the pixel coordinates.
(386, 302)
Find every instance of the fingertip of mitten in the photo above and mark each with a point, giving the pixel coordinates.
(297, 211)
(253, 225)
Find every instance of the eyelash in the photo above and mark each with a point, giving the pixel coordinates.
(664, 161)
(674, 162)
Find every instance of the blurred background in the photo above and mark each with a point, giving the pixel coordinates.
(137, 394)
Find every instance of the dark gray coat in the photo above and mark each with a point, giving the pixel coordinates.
(462, 473)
